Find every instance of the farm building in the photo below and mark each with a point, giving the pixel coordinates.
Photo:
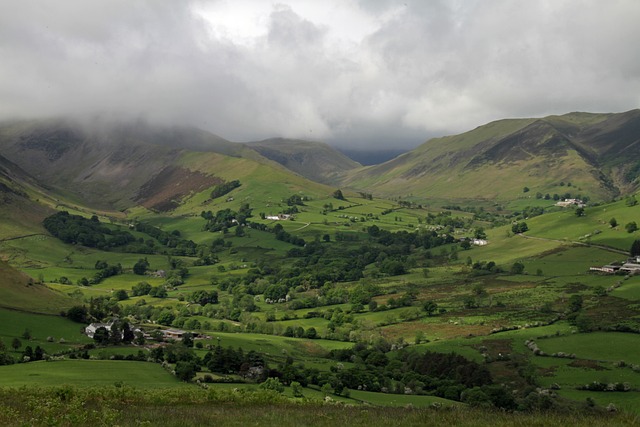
(279, 217)
(90, 330)
(632, 265)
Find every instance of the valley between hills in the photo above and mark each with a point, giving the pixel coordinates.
(481, 278)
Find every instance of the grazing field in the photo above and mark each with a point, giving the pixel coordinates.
(41, 326)
(88, 373)
(598, 346)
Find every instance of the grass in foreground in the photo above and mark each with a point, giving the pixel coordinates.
(128, 407)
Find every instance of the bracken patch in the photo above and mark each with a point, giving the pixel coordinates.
(163, 192)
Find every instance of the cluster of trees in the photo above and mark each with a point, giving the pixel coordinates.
(105, 270)
(407, 372)
(171, 240)
(371, 368)
(564, 196)
(120, 332)
(144, 288)
(29, 354)
(224, 219)
(284, 236)
(296, 200)
(446, 219)
(528, 212)
(480, 268)
(77, 229)
(519, 227)
(338, 195)
(203, 297)
(98, 309)
(5, 357)
(224, 188)
(229, 361)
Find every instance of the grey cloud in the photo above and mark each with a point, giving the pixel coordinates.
(429, 68)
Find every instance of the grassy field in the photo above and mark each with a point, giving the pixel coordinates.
(600, 346)
(88, 373)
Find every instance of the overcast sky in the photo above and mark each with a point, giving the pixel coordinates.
(354, 73)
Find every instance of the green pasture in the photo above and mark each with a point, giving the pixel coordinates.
(88, 373)
(570, 261)
(629, 289)
(461, 346)
(49, 258)
(504, 250)
(602, 346)
(104, 353)
(572, 375)
(14, 323)
(592, 228)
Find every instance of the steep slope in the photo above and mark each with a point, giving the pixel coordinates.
(106, 165)
(117, 166)
(597, 153)
(314, 160)
(20, 214)
(20, 292)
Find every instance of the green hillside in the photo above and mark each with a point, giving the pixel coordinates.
(594, 152)
(23, 293)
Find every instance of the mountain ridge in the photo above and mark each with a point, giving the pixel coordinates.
(500, 158)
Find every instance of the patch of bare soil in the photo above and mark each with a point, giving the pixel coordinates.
(164, 191)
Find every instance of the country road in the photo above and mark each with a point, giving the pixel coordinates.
(304, 226)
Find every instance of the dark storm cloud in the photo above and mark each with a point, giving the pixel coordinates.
(365, 73)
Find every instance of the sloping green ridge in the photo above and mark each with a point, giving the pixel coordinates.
(597, 153)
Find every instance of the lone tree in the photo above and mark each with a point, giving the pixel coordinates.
(16, 344)
(635, 248)
(429, 307)
(613, 222)
(185, 371)
(78, 313)
(517, 268)
(631, 227)
(141, 266)
(338, 194)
